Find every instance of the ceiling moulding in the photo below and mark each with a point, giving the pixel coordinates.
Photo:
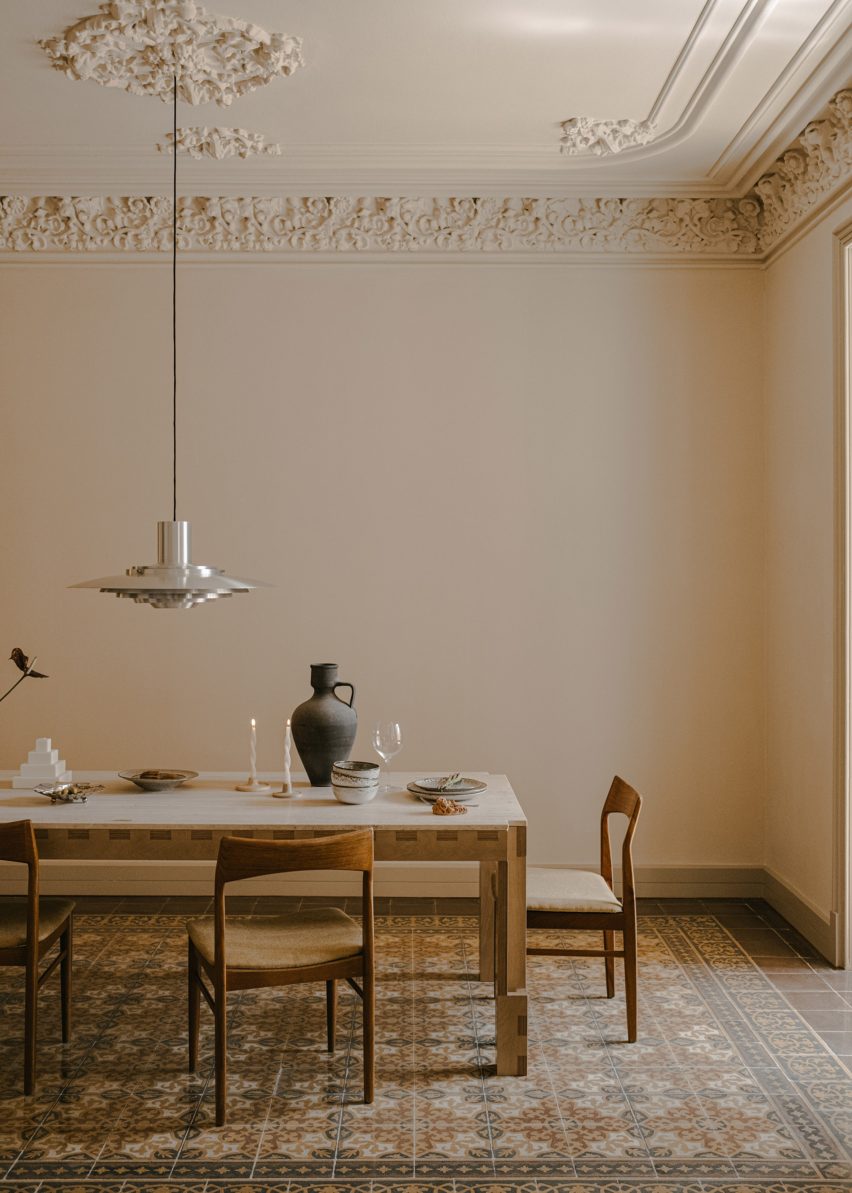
(818, 163)
(581, 135)
(140, 45)
(220, 143)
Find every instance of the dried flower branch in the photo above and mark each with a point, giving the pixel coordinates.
(23, 663)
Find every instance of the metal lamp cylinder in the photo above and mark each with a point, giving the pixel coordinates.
(173, 544)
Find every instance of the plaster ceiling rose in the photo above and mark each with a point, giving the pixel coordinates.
(141, 45)
(582, 134)
(220, 143)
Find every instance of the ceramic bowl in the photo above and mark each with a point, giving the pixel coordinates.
(157, 780)
(354, 795)
(355, 774)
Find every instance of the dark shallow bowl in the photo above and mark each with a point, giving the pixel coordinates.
(158, 778)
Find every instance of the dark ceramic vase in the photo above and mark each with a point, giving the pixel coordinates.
(324, 726)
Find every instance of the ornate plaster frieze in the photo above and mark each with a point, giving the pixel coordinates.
(818, 160)
(220, 143)
(352, 225)
(140, 45)
(582, 135)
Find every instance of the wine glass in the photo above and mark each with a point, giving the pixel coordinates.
(387, 741)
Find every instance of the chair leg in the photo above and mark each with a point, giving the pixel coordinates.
(369, 1012)
(66, 944)
(194, 1005)
(30, 1025)
(221, 1061)
(631, 967)
(609, 963)
(331, 1012)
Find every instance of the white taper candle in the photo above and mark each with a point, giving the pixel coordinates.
(253, 752)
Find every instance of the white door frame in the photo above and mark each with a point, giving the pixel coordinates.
(842, 878)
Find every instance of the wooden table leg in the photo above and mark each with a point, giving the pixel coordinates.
(511, 957)
(487, 882)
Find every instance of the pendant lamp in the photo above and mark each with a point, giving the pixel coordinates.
(173, 582)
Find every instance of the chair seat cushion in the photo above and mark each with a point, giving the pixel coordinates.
(553, 889)
(13, 920)
(281, 941)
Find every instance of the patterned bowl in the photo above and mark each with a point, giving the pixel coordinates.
(355, 774)
(354, 795)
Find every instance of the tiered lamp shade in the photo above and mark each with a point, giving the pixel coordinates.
(173, 582)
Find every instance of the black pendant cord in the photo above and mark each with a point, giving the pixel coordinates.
(174, 306)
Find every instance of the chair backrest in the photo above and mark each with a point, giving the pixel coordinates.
(245, 857)
(623, 799)
(18, 844)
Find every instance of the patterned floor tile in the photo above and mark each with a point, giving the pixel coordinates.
(727, 1088)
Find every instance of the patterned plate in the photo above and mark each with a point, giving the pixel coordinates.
(434, 785)
(430, 797)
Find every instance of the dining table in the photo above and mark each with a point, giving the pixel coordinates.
(122, 823)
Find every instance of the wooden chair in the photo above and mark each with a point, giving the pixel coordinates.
(27, 931)
(322, 944)
(574, 899)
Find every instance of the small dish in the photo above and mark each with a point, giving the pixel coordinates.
(157, 780)
(437, 785)
(355, 774)
(354, 795)
(67, 793)
(432, 797)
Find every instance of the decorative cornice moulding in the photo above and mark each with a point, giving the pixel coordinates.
(344, 224)
(581, 135)
(817, 164)
(220, 143)
(819, 160)
(140, 45)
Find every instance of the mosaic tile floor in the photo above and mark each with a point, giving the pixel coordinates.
(728, 1088)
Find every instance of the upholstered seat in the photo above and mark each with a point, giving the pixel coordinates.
(28, 931)
(551, 889)
(281, 941)
(581, 899)
(52, 914)
(229, 953)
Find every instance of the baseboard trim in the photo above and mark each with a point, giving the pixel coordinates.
(419, 879)
(823, 933)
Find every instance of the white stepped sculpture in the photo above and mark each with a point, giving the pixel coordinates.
(43, 765)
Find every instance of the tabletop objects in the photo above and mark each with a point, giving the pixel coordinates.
(252, 783)
(354, 782)
(67, 793)
(324, 726)
(157, 780)
(43, 765)
(387, 742)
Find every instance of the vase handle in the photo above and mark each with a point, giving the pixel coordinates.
(351, 688)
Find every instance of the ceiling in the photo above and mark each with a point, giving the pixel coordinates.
(447, 97)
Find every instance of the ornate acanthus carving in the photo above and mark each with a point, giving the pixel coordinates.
(818, 162)
(819, 159)
(220, 143)
(353, 225)
(139, 45)
(581, 135)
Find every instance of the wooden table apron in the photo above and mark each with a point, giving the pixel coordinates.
(492, 834)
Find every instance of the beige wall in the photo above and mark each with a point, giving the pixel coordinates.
(520, 505)
(800, 577)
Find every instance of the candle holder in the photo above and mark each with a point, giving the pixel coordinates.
(254, 785)
(287, 791)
